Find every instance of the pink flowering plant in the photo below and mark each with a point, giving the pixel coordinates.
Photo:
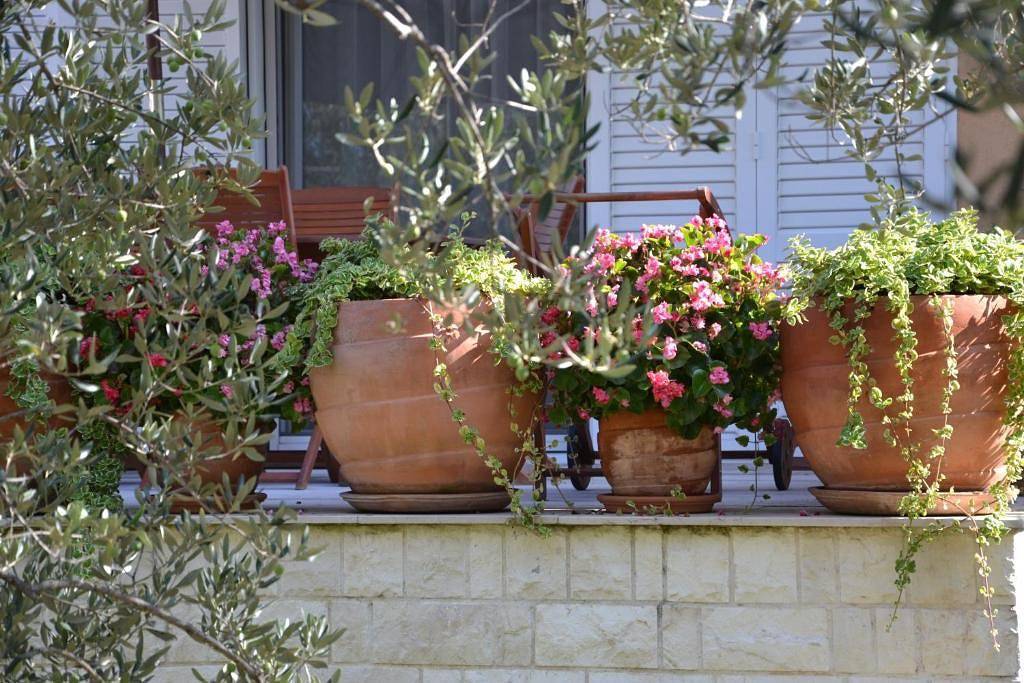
(122, 327)
(702, 344)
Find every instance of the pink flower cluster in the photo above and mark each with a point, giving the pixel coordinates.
(664, 388)
(761, 331)
(255, 246)
(706, 295)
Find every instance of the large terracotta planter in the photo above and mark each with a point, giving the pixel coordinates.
(645, 461)
(393, 437)
(815, 389)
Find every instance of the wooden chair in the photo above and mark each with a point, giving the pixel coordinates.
(536, 235)
(273, 202)
(336, 212)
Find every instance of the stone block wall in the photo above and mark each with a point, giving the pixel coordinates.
(643, 603)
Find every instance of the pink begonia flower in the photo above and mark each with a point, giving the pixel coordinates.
(700, 346)
(613, 297)
(87, 344)
(654, 232)
(584, 415)
(704, 297)
(289, 387)
(714, 330)
(683, 268)
(719, 375)
(227, 391)
(601, 396)
(670, 349)
(697, 322)
(605, 261)
(723, 411)
(624, 403)
(638, 328)
(225, 229)
(549, 316)
(719, 243)
(279, 338)
(761, 330)
(662, 313)
(157, 360)
(664, 388)
(605, 240)
(630, 241)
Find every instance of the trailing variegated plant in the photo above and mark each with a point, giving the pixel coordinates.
(906, 256)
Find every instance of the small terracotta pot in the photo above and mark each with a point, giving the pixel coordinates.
(383, 422)
(59, 392)
(641, 456)
(815, 388)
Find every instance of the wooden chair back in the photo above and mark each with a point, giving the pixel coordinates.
(336, 212)
(273, 202)
(530, 232)
(538, 235)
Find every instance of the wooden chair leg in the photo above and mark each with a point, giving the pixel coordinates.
(309, 460)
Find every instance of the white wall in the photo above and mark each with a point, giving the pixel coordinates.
(783, 175)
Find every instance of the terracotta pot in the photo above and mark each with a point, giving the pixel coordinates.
(382, 421)
(59, 391)
(815, 387)
(641, 456)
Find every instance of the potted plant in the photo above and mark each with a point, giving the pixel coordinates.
(203, 391)
(704, 356)
(903, 366)
(385, 368)
(29, 397)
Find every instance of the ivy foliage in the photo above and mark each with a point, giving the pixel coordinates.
(905, 256)
(26, 388)
(357, 271)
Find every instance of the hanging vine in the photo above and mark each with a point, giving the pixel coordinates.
(886, 267)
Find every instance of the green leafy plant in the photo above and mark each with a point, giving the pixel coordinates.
(706, 349)
(357, 271)
(906, 256)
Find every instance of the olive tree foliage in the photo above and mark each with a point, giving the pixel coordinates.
(96, 178)
(694, 63)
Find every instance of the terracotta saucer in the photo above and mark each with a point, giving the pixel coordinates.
(423, 503)
(887, 503)
(183, 503)
(658, 504)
